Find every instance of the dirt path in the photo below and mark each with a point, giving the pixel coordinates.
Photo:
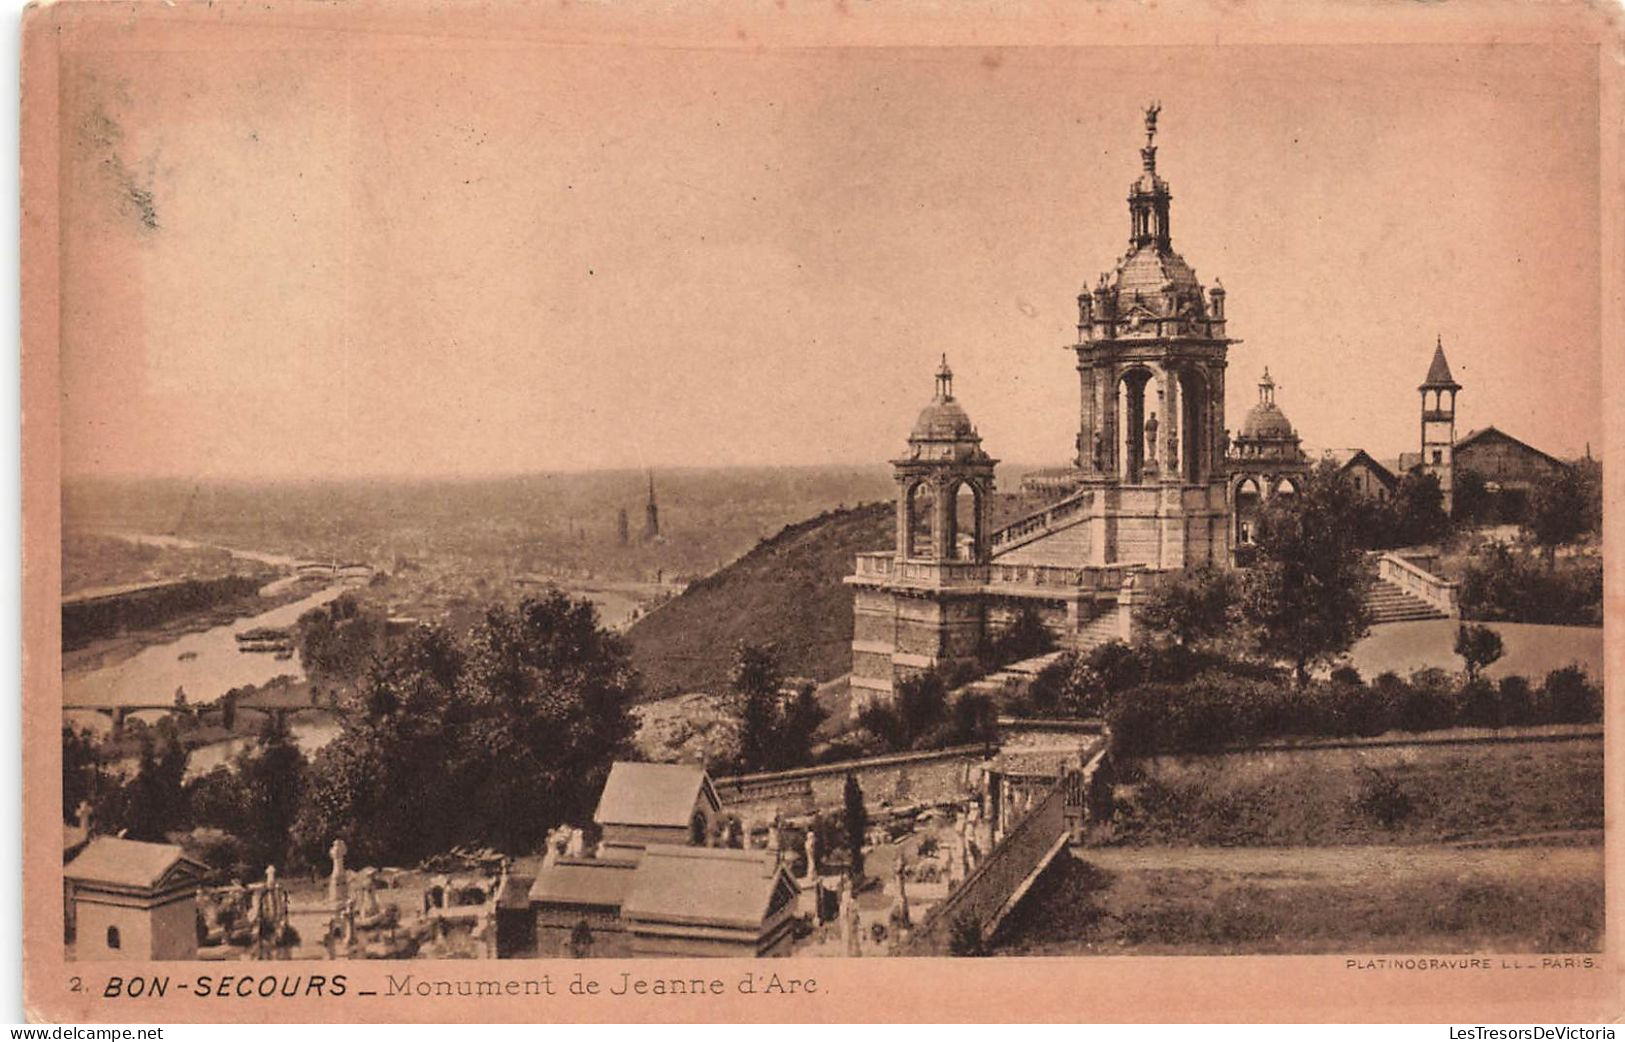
(1354, 864)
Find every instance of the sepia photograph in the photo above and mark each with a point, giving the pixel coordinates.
(501, 491)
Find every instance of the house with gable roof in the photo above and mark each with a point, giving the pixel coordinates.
(647, 803)
(652, 887)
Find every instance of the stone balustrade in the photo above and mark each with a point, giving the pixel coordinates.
(1441, 593)
(1039, 521)
(886, 566)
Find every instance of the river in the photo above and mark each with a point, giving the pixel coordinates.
(208, 664)
(205, 665)
(146, 539)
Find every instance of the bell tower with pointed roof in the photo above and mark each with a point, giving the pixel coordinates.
(1439, 422)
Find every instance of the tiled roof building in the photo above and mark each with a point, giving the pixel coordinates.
(654, 888)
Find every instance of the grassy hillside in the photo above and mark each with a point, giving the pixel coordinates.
(787, 590)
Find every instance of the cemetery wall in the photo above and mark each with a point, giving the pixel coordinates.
(934, 776)
(1257, 762)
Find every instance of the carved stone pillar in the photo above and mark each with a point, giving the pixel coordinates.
(903, 519)
(941, 517)
(1086, 417)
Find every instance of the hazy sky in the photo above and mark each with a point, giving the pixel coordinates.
(368, 256)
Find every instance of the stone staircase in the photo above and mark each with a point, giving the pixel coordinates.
(1386, 602)
(1017, 675)
(1063, 513)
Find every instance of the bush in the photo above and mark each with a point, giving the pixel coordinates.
(1517, 700)
(1478, 646)
(965, 936)
(1027, 637)
(1481, 704)
(1382, 799)
(1221, 707)
(1044, 694)
(1570, 697)
(1499, 584)
(1347, 675)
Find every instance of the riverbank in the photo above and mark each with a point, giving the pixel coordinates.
(111, 651)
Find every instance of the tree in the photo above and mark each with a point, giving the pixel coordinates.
(915, 715)
(1478, 646)
(1561, 510)
(972, 718)
(803, 715)
(490, 741)
(856, 822)
(1026, 637)
(1419, 509)
(271, 777)
(1306, 592)
(1470, 498)
(82, 775)
(756, 682)
(1192, 607)
(153, 802)
(340, 639)
(775, 732)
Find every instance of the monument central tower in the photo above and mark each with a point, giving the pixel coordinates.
(1151, 355)
(1145, 495)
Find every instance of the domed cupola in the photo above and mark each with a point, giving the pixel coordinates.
(944, 430)
(1152, 291)
(944, 484)
(1266, 433)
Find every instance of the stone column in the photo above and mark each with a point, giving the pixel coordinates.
(984, 510)
(1087, 413)
(902, 517)
(1106, 418)
(941, 510)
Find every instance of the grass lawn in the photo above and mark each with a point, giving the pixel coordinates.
(1206, 901)
(1530, 650)
(1307, 798)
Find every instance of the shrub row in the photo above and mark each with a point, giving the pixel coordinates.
(1216, 709)
(1499, 584)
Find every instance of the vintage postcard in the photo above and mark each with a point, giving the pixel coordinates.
(818, 512)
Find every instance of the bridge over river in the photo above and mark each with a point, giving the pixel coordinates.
(278, 702)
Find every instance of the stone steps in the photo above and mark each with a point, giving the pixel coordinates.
(1386, 602)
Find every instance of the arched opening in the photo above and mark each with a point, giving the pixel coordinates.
(964, 522)
(1286, 487)
(1247, 499)
(1192, 429)
(114, 941)
(921, 507)
(1131, 395)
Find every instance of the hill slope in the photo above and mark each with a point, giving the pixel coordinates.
(787, 591)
